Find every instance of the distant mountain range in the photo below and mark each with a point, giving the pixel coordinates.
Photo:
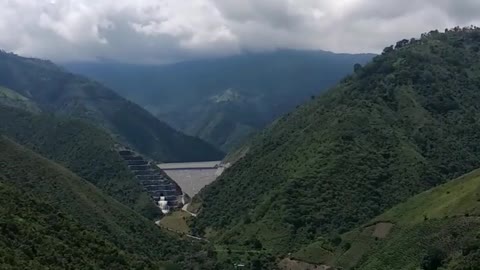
(225, 100)
(40, 86)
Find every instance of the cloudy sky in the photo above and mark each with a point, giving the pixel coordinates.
(172, 30)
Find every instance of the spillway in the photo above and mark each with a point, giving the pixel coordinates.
(153, 179)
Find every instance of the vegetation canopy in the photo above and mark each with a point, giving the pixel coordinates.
(54, 90)
(60, 219)
(403, 123)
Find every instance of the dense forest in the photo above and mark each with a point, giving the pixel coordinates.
(53, 219)
(56, 185)
(401, 124)
(82, 148)
(359, 177)
(36, 235)
(437, 229)
(54, 90)
(225, 100)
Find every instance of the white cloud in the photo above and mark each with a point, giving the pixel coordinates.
(172, 30)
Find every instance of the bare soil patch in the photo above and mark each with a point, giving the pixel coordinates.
(382, 229)
(289, 264)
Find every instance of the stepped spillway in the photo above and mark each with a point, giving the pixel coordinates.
(155, 182)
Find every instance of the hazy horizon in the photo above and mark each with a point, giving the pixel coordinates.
(151, 31)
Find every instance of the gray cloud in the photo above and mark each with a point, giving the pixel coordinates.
(172, 30)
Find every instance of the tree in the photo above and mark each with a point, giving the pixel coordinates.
(256, 264)
(388, 49)
(357, 67)
(402, 43)
(433, 260)
(257, 244)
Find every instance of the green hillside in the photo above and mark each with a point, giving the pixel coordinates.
(57, 91)
(82, 148)
(13, 99)
(89, 228)
(439, 227)
(404, 123)
(36, 235)
(224, 100)
(222, 121)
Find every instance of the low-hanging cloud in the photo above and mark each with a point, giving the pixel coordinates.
(174, 30)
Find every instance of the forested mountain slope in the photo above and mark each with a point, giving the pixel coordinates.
(404, 123)
(82, 148)
(55, 90)
(36, 235)
(62, 221)
(13, 99)
(225, 100)
(437, 228)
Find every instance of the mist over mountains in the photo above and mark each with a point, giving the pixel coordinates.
(223, 135)
(225, 100)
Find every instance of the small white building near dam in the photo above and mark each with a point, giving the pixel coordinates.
(193, 176)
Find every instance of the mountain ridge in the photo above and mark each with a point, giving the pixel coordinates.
(396, 127)
(269, 84)
(81, 147)
(57, 91)
(85, 205)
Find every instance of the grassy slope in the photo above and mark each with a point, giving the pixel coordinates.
(54, 185)
(56, 90)
(82, 148)
(402, 124)
(176, 221)
(13, 99)
(444, 221)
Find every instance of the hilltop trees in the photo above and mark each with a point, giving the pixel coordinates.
(401, 124)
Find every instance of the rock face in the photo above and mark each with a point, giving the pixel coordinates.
(155, 182)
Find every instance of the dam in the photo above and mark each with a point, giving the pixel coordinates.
(193, 176)
(170, 185)
(161, 188)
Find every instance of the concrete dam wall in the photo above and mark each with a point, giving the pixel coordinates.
(193, 176)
